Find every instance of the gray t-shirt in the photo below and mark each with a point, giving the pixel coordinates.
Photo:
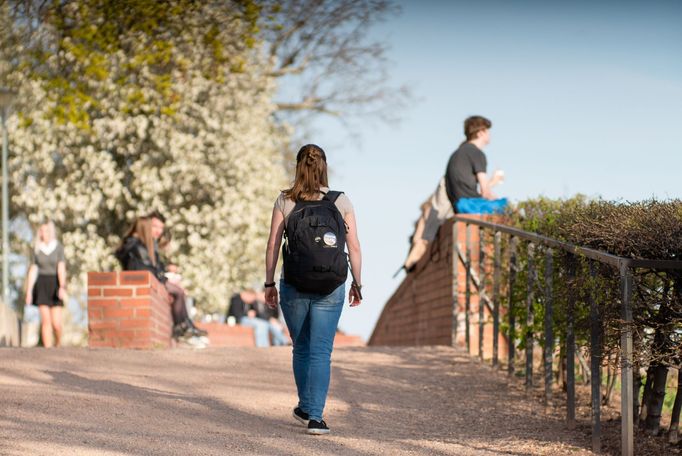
(285, 205)
(460, 175)
(47, 262)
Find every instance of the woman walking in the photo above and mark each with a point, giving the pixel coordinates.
(46, 285)
(316, 223)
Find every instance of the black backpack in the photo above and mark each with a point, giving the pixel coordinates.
(314, 254)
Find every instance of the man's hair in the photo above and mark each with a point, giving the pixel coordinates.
(157, 215)
(474, 124)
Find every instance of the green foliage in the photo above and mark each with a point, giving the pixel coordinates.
(642, 230)
(86, 34)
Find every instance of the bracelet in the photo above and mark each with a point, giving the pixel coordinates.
(269, 284)
(356, 285)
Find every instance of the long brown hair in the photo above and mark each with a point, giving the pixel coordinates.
(142, 229)
(311, 174)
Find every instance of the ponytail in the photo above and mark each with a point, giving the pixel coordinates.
(311, 174)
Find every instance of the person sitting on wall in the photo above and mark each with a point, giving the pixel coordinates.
(242, 311)
(467, 185)
(271, 315)
(434, 211)
(458, 190)
(138, 252)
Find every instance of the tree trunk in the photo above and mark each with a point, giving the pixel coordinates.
(584, 367)
(673, 432)
(655, 407)
(646, 395)
(561, 372)
(611, 376)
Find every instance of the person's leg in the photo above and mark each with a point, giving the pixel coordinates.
(419, 245)
(260, 330)
(178, 307)
(296, 308)
(278, 337)
(56, 315)
(324, 318)
(45, 325)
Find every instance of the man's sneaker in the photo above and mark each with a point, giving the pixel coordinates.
(317, 427)
(301, 416)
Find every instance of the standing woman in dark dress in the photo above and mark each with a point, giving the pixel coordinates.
(46, 287)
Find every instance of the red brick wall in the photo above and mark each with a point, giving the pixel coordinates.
(128, 310)
(222, 335)
(420, 311)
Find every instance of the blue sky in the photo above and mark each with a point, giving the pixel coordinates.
(585, 97)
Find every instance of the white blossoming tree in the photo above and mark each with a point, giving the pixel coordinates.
(120, 115)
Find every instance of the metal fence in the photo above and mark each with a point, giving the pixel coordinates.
(476, 282)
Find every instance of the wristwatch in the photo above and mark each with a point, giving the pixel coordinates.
(269, 284)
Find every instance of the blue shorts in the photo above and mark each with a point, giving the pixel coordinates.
(480, 206)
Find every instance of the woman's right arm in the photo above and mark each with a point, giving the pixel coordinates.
(272, 255)
(30, 282)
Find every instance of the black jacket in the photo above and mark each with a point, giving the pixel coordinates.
(134, 256)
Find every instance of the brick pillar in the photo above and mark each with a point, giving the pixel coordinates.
(420, 310)
(128, 309)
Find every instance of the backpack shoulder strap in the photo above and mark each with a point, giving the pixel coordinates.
(332, 196)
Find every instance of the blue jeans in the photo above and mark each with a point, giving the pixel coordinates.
(312, 320)
(261, 330)
(480, 206)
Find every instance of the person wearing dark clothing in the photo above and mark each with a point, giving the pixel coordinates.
(134, 256)
(463, 167)
(466, 182)
(248, 311)
(138, 253)
(237, 308)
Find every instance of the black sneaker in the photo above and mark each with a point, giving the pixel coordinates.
(317, 427)
(179, 331)
(197, 331)
(301, 416)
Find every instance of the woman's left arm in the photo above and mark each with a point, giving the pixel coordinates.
(61, 275)
(272, 255)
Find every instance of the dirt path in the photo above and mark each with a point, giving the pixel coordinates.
(392, 401)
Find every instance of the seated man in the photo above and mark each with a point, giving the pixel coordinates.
(466, 171)
(458, 189)
(275, 326)
(243, 311)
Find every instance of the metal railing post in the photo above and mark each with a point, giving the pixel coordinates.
(595, 363)
(627, 399)
(529, 316)
(467, 288)
(512, 317)
(549, 321)
(481, 289)
(496, 297)
(570, 345)
(455, 283)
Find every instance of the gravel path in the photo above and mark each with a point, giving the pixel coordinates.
(392, 401)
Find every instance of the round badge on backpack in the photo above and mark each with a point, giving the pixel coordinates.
(329, 239)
